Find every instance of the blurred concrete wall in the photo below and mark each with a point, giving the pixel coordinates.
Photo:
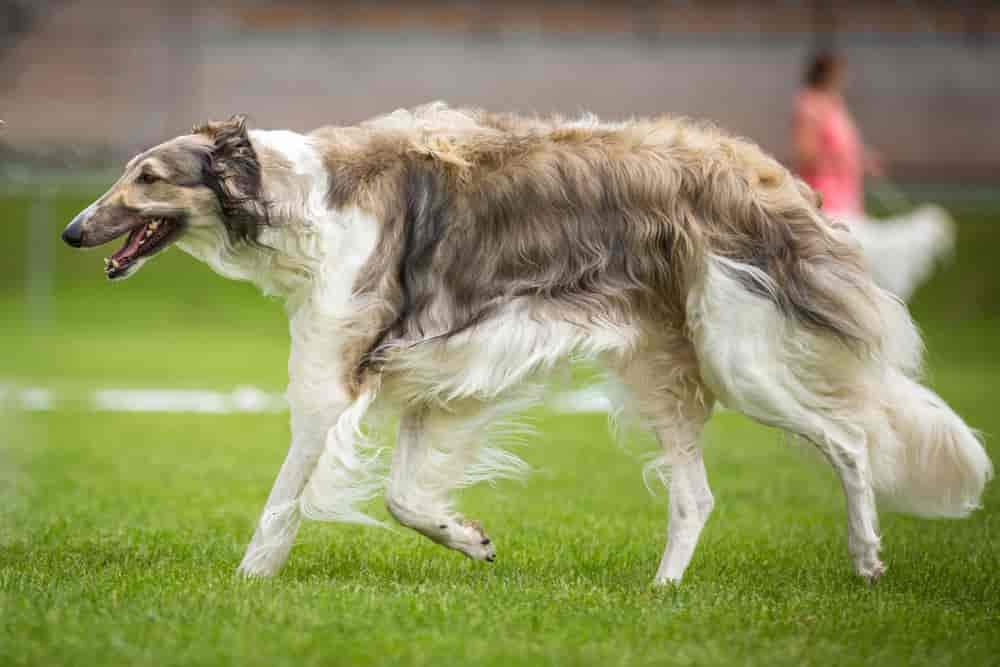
(93, 81)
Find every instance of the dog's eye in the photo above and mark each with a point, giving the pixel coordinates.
(146, 178)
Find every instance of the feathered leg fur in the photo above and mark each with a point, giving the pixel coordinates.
(327, 473)
(430, 459)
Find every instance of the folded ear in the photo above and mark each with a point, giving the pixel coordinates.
(232, 171)
(237, 124)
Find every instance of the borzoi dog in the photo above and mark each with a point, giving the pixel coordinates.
(440, 262)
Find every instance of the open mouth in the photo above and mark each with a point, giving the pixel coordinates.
(142, 242)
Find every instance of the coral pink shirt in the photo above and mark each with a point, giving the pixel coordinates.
(838, 170)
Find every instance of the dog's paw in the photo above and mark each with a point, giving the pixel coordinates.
(871, 571)
(469, 537)
(255, 571)
(261, 563)
(666, 582)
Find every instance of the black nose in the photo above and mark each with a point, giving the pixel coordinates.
(73, 234)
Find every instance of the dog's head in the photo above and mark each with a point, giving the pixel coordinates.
(210, 177)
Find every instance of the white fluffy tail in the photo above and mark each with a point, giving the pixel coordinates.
(924, 459)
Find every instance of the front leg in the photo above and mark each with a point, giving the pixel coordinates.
(279, 522)
(317, 399)
(432, 452)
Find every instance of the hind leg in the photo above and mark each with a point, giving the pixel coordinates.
(783, 375)
(432, 452)
(669, 397)
(862, 517)
(771, 392)
(691, 502)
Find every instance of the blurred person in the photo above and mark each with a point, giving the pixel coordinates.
(830, 155)
(832, 158)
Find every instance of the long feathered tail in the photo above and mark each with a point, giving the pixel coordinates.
(791, 329)
(924, 459)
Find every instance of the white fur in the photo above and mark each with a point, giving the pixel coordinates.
(501, 354)
(691, 502)
(879, 428)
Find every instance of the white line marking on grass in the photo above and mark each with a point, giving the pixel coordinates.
(36, 398)
(241, 399)
(29, 399)
(244, 399)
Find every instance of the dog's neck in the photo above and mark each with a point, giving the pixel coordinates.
(306, 243)
(289, 249)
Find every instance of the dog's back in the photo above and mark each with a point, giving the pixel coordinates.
(593, 219)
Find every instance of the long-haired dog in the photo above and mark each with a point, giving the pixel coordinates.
(441, 261)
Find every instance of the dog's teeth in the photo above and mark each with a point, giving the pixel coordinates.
(153, 225)
(107, 261)
(115, 264)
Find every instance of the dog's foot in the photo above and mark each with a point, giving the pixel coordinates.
(665, 581)
(871, 571)
(269, 548)
(259, 565)
(864, 553)
(468, 536)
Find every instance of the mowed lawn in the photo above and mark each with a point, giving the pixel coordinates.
(120, 532)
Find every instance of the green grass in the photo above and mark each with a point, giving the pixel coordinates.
(120, 533)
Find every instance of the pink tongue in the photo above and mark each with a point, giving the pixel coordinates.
(131, 246)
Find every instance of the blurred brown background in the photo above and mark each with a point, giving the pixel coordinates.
(86, 83)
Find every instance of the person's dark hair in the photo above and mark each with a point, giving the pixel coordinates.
(821, 68)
